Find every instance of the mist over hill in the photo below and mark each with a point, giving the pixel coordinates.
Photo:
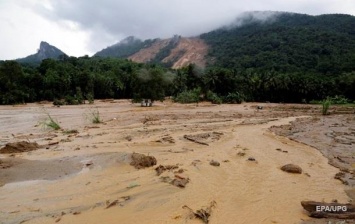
(285, 42)
(254, 41)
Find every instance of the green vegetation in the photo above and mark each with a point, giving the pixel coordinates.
(292, 58)
(125, 48)
(325, 106)
(94, 116)
(339, 100)
(287, 43)
(234, 98)
(49, 122)
(213, 97)
(188, 96)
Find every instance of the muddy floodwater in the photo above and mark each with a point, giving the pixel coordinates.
(224, 159)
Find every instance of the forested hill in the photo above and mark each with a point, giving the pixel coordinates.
(264, 56)
(125, 48)
(285, 42)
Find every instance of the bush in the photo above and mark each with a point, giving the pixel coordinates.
(339, 100)
(325, 106)
(234, 98)
(213, 98)
(333, 100)
(191, 96)
(90, 98)
(69, 100)
(94, 116)
(57, 102)
(79, 96)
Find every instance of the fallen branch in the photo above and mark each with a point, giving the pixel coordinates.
(194, 140)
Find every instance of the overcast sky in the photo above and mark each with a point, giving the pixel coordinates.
(80, 27)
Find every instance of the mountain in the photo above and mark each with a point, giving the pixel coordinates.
(256, 41)
(285, 42)
(45, 51)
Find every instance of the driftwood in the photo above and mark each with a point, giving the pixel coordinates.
(195, 140)
(329, 210)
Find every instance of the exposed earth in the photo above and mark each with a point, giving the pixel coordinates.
(187, 51)
(204, 163)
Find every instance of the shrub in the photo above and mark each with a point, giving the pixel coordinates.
(234, 98)
(333, 100)
(94, 116)
(213, 98)
(69, 100)
(58, 102)
(191, 96)
(79, 96)
(325, 106)
(49, 122)
(339, 100)
(90, 98)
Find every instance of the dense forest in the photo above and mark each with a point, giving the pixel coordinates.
(74, 80)
(286, 43)
(290, 58)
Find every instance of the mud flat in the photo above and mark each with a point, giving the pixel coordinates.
(210, 163)
(333, 135)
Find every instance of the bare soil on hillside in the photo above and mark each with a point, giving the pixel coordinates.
(206, 163)
(187, 51)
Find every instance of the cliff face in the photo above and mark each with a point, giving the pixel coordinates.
(48, 51)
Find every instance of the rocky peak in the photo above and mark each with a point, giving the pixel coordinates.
(48, 51)
(45, 51)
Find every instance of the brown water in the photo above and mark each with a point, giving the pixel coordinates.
(244, 191)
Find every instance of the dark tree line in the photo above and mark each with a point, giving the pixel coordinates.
(76, 78)
(84, 78)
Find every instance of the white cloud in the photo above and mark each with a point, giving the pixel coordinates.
(23, 30)
(80, 27)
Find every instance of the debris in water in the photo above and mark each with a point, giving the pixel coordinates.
(291, 168)
(203, 213)
(160, 169)
(141, 161)
(18, 147)
(214, 163)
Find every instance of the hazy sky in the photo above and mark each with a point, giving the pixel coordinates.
(80, 27)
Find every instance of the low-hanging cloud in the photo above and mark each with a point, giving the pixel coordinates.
(106, 22)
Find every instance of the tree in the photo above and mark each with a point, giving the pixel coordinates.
(151, 83)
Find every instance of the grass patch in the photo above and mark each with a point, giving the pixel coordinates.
(94, 116)
(325, 106)
(50, 123)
